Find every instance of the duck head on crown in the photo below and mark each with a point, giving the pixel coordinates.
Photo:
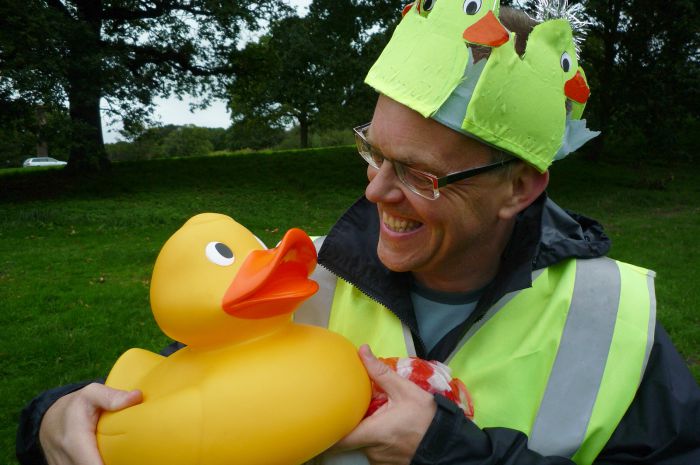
(426, 57)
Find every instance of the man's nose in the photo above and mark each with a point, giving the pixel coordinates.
(384, 185)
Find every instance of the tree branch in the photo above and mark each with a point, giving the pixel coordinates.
(140, 55)
(58, 5)
(162, 7)
(124, 14)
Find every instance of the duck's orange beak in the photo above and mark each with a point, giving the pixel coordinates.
(273, 282)
(487, 31)
(407, 8)
(577, 89)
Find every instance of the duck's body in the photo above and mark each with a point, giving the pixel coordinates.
(278, 393)
(232, 405)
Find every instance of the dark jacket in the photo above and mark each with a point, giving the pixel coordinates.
(661, 427)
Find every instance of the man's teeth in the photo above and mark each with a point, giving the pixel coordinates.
(399, 224)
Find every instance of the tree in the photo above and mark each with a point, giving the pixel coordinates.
(310, 71)
(252, 134)
(285, 79)
(54, 52)
(642, 61)
(188, 141)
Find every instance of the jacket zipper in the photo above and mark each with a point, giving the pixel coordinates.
(416, 337)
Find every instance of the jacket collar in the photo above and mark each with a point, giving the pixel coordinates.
(543, 234)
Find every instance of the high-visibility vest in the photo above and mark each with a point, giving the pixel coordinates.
(560, 361)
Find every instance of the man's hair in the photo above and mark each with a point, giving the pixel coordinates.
(516, 21)
(520, 23)
(498, 156)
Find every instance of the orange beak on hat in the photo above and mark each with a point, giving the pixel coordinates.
(577, 89)
(487, 31)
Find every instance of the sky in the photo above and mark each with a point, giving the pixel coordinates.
(175, 111)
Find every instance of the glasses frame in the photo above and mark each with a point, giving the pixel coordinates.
(366, 150)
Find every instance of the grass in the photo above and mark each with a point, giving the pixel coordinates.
(76, 254)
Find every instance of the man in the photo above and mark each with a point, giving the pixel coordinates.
(456, 254)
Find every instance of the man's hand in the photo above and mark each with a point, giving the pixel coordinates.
(392, 434)
(67, 432)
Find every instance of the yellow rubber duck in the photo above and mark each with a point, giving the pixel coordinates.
(251, 387)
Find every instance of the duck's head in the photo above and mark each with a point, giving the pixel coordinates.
(215, 282)
(452, 17)
(556, 53)
(550, 50)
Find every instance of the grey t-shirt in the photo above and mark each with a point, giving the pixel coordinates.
(439, 312)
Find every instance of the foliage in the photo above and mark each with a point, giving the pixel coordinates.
(642, 60)
(309, 71)
(22, 133)
(252, 133)
(187, 141)
(169, 141)
(318, 137)
(125, 52)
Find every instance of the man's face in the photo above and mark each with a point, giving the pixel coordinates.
(432, 238)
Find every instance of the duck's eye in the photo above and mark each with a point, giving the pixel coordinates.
(565, 62)
(424, 7)
(219, 254)
(472, 7)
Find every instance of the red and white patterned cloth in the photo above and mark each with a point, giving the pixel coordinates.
(430, 375)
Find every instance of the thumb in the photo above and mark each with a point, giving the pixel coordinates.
(110, 399)
(380, 373)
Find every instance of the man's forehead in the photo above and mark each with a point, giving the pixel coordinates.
(401, 133)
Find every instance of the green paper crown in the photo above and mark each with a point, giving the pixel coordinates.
(517, 104)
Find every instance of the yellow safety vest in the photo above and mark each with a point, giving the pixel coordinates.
(560, 361)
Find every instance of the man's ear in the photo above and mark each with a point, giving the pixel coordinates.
(525, 184)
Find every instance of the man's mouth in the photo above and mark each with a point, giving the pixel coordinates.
(399, 225)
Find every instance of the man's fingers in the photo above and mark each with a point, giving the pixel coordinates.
(107, 398)
(385, 377)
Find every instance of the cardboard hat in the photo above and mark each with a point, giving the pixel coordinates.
(529, 106)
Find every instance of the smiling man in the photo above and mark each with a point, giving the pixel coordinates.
(455, 253)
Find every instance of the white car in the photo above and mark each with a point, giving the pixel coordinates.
(42, 161)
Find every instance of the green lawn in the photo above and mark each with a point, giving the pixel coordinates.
(76, 254)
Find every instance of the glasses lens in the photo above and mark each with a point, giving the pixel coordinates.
(418, 182)
(366, 150)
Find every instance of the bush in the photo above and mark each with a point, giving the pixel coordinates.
(187, 141)
(252, 134)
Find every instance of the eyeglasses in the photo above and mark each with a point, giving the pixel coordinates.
(419, 182)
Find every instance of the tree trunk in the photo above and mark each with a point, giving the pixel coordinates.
(87, 151)
(611, 23)
(42, 147)
(304, 130)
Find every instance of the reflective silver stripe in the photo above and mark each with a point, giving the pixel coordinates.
(572, 388)
(317, 310)
(495, 308)
(408, 339)
(652, 321)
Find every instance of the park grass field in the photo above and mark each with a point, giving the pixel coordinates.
(76, 253)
